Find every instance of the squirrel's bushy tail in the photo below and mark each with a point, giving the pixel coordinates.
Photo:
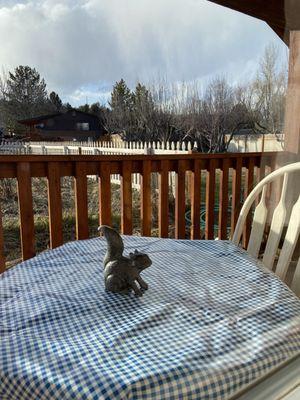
(115, 246)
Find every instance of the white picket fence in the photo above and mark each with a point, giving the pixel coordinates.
(256, 143)
(93, 148)
(106, 148)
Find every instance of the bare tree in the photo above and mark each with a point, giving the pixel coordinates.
(218, 114)
(210, 116)
(270, 90)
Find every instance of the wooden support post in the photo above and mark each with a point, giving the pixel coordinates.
(292, 110)
(292, 117)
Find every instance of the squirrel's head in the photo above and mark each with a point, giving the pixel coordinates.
(140, 260)
(103, 228)
(109, 233)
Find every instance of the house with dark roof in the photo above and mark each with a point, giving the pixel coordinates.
(69, 125)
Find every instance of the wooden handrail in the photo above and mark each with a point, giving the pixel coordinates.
(119, 157)
(217, 168)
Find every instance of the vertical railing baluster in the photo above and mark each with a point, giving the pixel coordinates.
(196, 200)
(180, 201)
(104, 194)
(81, 201)
(2, 255)
(126, 198)
(210, 199)
(163, 213)
(248, 187)
(260, 174)
(236, 192)
(262, 170)
(223, 200)
(55, 205)
(26, 210)
(146, 198)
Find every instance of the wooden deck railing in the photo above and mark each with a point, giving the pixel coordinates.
(227, 174)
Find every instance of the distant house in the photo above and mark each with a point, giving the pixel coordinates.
(70, 125)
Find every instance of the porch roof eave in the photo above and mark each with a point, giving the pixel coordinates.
(282, 16)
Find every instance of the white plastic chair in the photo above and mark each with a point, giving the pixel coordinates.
(277, 225)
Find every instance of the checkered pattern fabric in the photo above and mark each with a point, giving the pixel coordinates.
(212, 322)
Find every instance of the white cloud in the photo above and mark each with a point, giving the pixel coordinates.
(77, 44)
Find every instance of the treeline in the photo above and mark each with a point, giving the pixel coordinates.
(160, 111)
(207, 115)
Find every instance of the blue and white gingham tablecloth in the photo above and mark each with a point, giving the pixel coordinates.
(212, 322)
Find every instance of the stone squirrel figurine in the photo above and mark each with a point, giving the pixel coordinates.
(121, 273)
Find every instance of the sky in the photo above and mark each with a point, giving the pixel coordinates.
(82, 47)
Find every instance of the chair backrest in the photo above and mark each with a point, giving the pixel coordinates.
(277, 225)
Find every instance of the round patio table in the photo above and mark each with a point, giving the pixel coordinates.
(213, 322)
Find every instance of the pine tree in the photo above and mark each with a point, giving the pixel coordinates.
(96, 109)
(143, 112)
(67, 106)
(55, 101)
(121, 97)
(121, 103)
(85, 108)
(142, 97)
(25, 96)
(26, 90)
